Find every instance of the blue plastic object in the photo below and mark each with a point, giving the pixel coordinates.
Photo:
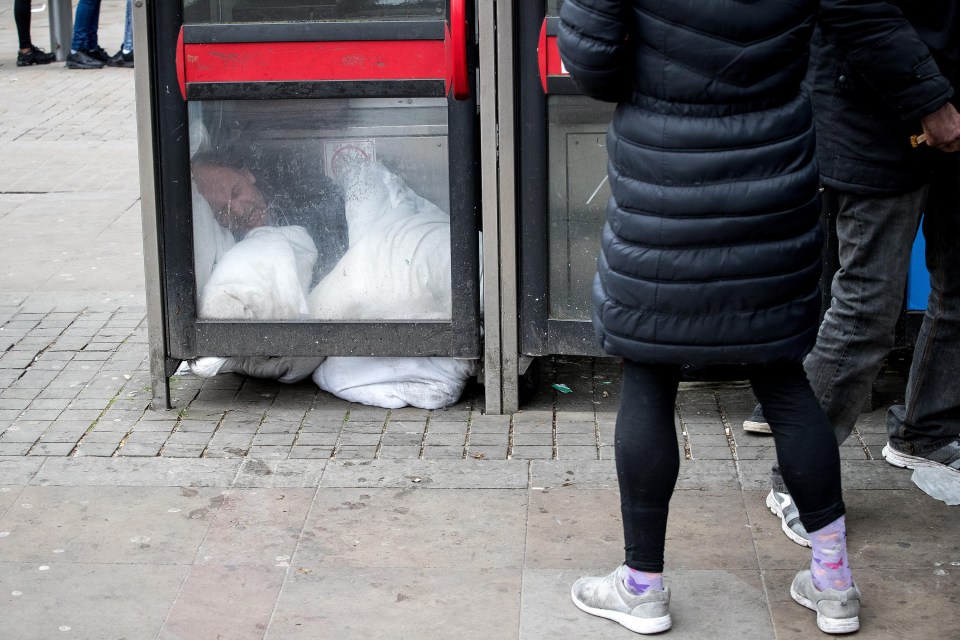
(918, 278)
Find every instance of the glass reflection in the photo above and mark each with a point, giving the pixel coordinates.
(239, 11)
(325, 210)
(578, 194)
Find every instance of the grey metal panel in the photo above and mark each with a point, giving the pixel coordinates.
(156, 335)
(578, 194)
(318, 339)
(314, 89)
(492, 359)
(573, 338)
(314, 31)
(533, 247)
(61, 27)
(507, 123)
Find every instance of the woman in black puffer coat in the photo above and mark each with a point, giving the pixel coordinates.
(710, 255)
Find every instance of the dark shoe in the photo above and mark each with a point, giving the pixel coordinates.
(36, 55)
(98, 54)
(121, 59)
(81, 60)
(756, 423)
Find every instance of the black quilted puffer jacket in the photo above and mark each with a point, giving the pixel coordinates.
(711, 250)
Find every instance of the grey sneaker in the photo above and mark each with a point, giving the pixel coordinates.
(756, 423)
(837, 611)
(946, 457)
(608, 598)
(782, 506)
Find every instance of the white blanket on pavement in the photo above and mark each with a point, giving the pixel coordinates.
(287, 369)
(397, 268)
(391, 383)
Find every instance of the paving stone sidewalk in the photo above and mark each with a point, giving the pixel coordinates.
(255, 510)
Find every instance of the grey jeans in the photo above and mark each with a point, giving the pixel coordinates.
(857, 333)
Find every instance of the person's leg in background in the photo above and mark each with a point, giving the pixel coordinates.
(809, 461)
(124, 57)
(127, 46)
(28, 54)
(648, 462)
(874, 237)
(94, 50)
(86, 21)
(925, 431)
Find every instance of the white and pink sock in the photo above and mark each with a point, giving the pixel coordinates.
(639, 582)
(829, 566)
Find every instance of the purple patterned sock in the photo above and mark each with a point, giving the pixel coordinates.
(639, 582)
(829, 564)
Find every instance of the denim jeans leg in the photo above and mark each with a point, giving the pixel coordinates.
(93, 41)
(127, 45)
(931, 416)
(85, 25)
(874, 236)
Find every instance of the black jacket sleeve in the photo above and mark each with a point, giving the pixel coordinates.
(882, 46)
(593, 47)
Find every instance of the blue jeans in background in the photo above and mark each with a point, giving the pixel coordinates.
(875, 237)
(127, 46)
(85, 25)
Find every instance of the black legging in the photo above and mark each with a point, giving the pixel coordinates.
(21, 15)
(648, 460)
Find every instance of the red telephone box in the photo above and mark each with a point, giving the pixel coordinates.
(563, 165)
(287, 113)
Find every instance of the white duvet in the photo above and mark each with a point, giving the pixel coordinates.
(398, 264)
(265, 276)
(262, 277)
(397, 267)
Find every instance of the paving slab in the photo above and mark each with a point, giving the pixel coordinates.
(16, 470)
(270, 509)
(224, 601)
(425, 603)
(8, 497)
(256, 527)
(86, 601)
(102, 525)
(280, 473)
(445, 474)
(150, 472)
(413, 527)
(917, 604)
(705, 605)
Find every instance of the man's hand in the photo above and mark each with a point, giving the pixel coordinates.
(942, 128)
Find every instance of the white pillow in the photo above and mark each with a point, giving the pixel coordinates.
(427, 383)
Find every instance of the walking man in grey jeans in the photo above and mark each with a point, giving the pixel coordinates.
(882, 72)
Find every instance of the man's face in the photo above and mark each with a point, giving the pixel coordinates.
(233, 196)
